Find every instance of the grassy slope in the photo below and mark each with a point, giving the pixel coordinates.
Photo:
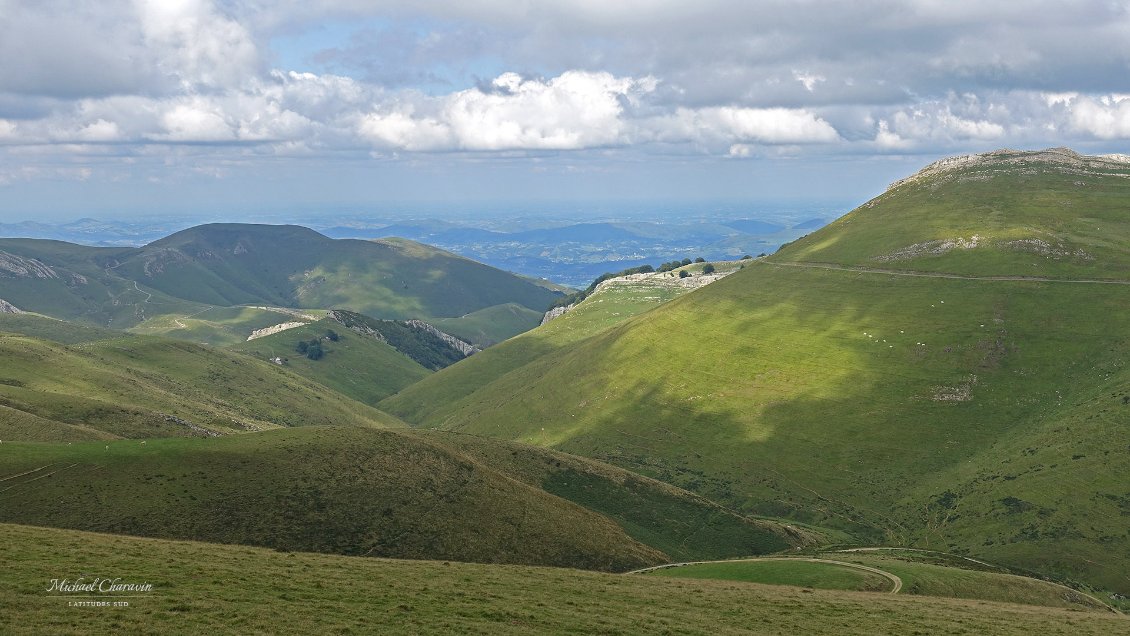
(826, 396)
(921, 577)
(87, 287)
(1081, 215)
(682, 525)
(360, 367)
(215, 266)
(548, 284)
(429, 399)
(21, 425)
(344, 490)
(440, 284)
(825, 576)
(229, 264)
(52, 329)
(214, 588)
(129, 386)
(415, 494)
(217, 326)
(492, 325)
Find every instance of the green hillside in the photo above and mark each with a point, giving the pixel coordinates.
(53, 329)
(1053, 213)
(213, 266)
(607, 307)
(892, 571)
(492, 325)
(75, 282)
(681, 524)
(355, 365)
(418, 341)
(364, 491)
(981, 415)
(341, 490)
(134, 386)
(927, 574)
(201, 588)
(235, 264)
(801, 572)
(220, 326)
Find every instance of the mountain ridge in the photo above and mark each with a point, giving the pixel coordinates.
(1066, 157)
(1041, 214)
(232, 264)
(935, 404)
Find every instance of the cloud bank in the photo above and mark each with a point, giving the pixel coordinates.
(206, 83)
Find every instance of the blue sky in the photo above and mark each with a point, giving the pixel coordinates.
(232, 107)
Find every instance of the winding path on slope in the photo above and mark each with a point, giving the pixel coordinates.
(896, 582)
(1000, 568)
(181, 325)
(147, 294)
(920, 274)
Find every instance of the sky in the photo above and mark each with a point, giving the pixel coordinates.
(117, 108)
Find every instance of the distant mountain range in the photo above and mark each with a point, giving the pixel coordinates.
(577, 253)
(568, 253)
(240, 264)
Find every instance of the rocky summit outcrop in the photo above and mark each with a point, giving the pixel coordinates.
(666, 279)
(416, 339)
(643, 280)
(465, 348)
(556, 312)
(8, 308)
(21, 267)
(273, 329)
(982, 166)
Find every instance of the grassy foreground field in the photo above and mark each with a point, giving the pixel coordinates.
(200, 588)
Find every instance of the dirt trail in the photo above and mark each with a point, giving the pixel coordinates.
(896, 582)
(147, 294)
(34, 470)
(957, 556)
(991, 565)
(181, 325)
(918, 274)
(24, 483)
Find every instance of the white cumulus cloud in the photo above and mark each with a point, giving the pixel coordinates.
(574, 110)
(7, 130)
(195, 121)
(730, 124)
(934, 123)
(400, 130)
(1104, 118)
(149, 79)
(196, 45)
